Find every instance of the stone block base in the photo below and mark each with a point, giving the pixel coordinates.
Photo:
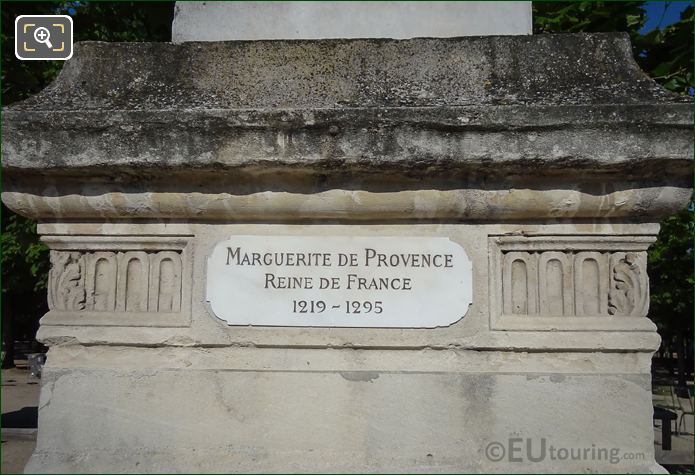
(120, 409)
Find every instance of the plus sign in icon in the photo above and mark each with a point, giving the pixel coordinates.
(43, 37)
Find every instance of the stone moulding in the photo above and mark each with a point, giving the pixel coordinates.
(523, 203)
(118, 281)
(486, 129)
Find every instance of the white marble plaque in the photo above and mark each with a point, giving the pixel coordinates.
(339, 281)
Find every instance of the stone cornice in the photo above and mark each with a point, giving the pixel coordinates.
(493, 128)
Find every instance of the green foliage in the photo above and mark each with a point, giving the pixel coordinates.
(21, 79)
(576, 17)
(671, 274)
(665, 54)
(24, 259)
(95, 21)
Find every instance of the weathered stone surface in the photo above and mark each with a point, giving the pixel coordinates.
(549, 159)
(564, 69)
(215, 130)
(221, 410)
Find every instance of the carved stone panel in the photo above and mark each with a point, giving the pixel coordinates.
(555, 282)
(132, 281)
(66, 288)
(590, 283)
(165, 278)
(572, 282)
(520, 283)
(101, 274)
(629, 284)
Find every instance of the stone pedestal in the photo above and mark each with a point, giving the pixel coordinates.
(549, 160)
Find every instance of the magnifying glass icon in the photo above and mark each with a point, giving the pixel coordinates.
(42, 35)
